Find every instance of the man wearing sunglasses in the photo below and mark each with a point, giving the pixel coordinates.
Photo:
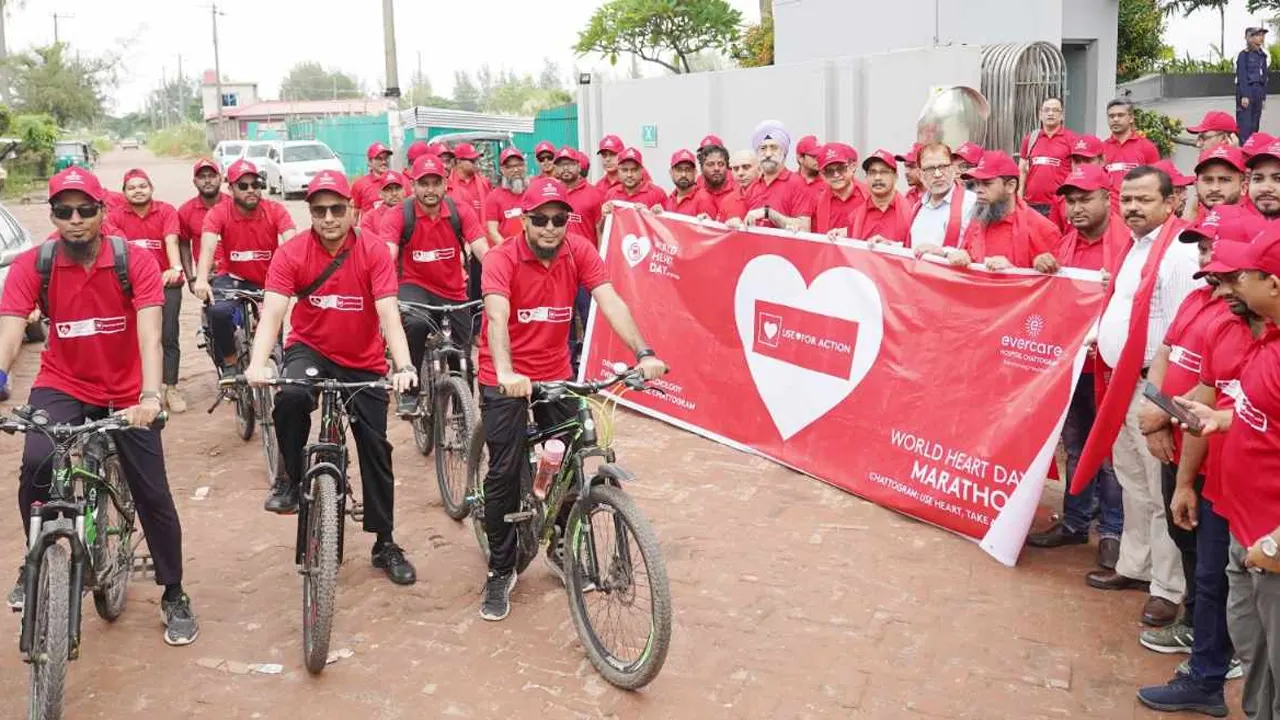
(545, 153)
(346, 290)
(529, 286)
(244, 234)
(103, 356)
(368, 187)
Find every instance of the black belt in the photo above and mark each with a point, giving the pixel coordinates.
(1144, 373)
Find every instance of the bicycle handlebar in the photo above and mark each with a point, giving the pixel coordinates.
(416, 307)
(321, 383)
(38, 421)
(547, 391)
(238, 294)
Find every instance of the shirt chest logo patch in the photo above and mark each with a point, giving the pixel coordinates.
(345, 303)
(90, 327)
(1245, 410)
(1185, 359)
(545, 314)
(146, 244)
(426, 256)
(513, 213)
(250, 255)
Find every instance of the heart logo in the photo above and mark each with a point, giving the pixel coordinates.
(635, 249)
(797, 396)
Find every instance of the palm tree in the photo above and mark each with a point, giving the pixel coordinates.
(1188, 7)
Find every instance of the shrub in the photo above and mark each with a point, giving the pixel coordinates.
(186, 140)
(1158, 128)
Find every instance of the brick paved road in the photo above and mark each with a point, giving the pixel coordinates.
(792, 600)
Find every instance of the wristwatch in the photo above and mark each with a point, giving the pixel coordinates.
(1268, 547)
(149, 395)
(643, 353)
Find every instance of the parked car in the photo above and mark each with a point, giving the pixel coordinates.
(128, 143)
(292, 164)
(227, 152)
(14, 240)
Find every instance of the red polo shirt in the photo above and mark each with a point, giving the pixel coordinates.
(647, 194)
(1035, 236)
(191, 218)
(367, 191)
(148, 231)
(1078, 251)
(371, 222)
(1250, 495)
(786, 193)
(92, 354)
(247, 241)
(541, 304)
(503, 207)
(1120, 158)
(586, 202)
(891, 223)
(1049, 164)
(339, 320)
(815, 185)
(1186, 340)
(471, 193)
(728, 201)
(831, 212)
(433, 259)
(606, 183)
(1228, 345)
(696, 203)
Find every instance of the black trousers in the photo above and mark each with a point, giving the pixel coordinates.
(170, 333)
(367, 410)
(221, 316)
(1042, 208)
(417, 329)
(1184, 539)
(505, 421)
(142, 462)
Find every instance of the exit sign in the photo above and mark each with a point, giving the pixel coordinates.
(649, 135)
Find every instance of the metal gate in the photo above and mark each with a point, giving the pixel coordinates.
(1016, 80)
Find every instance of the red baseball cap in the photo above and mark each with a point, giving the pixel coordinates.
(1225, 222)
(1086, 146)
(711, 141)
(1215, 121)
(834, 153)
(465, 151)
(970, 153)
(1179, 180)
(683, 156)
(427, 165)
(883, 156)
(417, 149)
(912, 156)
(611, 143)
(329, 181)
(203, 163)
(240, 168)
(1087, 178)
(544, 147)
(584, 161)
(631, 155)
(809, 145)
(567, 153)
(511, 152)
(135, 173)
(1223, 153)
(543, 190)
(1260, 253)
(439, 147)
(391, 177)
(377, 149)
(77, 178)
(1270, 150)
(1256, 142)
(994, 164)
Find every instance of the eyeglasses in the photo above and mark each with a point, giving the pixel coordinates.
(934, 169)
(64, 212)
(243, 186)
(544, 157)
(558, 220)
(338, 210)
(835, 170)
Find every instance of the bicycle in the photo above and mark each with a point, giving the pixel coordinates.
(253, 405)
(91, 508)
(447, 412)
(322, 503)
(588, 435)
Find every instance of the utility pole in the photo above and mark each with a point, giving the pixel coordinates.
(164, 97)
(389, 47)
(56, 17)
(217, 68)
(182, 94)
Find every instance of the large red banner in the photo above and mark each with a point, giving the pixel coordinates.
(935, 391)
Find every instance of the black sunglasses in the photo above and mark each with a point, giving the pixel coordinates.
(64, 212)
(318, 212)
(243, 186)
(558, 220)
(545, 157)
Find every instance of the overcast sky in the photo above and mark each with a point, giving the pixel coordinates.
(261, 39)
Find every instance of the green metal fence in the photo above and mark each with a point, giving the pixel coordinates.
(557, 125)
(348, 136)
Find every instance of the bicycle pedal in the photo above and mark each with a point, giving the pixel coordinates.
(356, 512)
(143, 566)
(518, 516)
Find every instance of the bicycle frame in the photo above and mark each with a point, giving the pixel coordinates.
(327, 454)
(581, 443)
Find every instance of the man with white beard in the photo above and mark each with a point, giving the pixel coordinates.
(502, 211)
(778, 198)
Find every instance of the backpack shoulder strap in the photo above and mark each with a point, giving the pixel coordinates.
(1031, 143)
(120, 259)
(455, 222)
(406, 232)
(44, 266)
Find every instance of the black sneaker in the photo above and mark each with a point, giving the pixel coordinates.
(407, 406)
(18, 596)
(390, 557)
(497, 595)
(555, 562)
(283, 498)
(180, 626)
(226, 372)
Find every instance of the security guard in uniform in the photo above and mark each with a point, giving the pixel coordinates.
(1251, 82)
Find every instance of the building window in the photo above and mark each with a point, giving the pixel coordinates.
(230, 99)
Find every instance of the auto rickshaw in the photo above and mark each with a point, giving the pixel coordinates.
(488, 145)
(67, 153)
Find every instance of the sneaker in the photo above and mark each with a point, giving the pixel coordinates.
(173, 400)
(1057, 536)
(497, 595)
(1235, 670)
(283, 498)
(407, 407)
(18, 595)
(180, 626)
(1181, 694)
(390, 557)
(555, 562)
(1175, 638)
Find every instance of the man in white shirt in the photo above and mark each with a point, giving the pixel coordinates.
(1147, 552)
(944, 212)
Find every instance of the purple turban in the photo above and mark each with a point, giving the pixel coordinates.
(771, 129)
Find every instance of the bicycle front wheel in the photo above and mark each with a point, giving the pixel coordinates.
(455, 422)
(320, 570)
(113, 543)
(477, 467)
(270, 446)
(619, 598)
(424, 436)
(245, 414)
(51, 613)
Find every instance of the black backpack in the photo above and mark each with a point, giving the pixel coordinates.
(455, 222)
(44, 266)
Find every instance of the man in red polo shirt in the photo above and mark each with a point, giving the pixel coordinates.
(244, 234)
(208, 183)
(966, 157)
(1003, 234)
(152, 227)
(466, 185)
(687, 198)
(883, 216)
(1045, 157)
(585, 200)
(417, 149)
(809, 165)
(545, 154)
(502, 208)
(529, 287)
(915, 185)
(632, 186)
(441, 150)
(1220, 174)
(431, 269)
(778, 197)
(103, 356)
(709, 143)
(368, 186)
(1264, 180)
(610, 148)
(1125, 149)
(1217, 128)
(1085, 150)
(334, 333)
(834, 206)
(391, 195)
(717, 185)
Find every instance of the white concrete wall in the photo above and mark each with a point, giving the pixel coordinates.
(248, 95)
(1095, 21)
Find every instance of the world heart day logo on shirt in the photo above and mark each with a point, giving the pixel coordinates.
(807, 346)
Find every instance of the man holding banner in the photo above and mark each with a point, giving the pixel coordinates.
(1003, 232)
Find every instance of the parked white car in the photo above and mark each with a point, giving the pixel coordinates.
(256, 153)
(14, 240)
(227, 152)
(292, 164)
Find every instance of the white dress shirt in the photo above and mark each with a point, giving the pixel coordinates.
(930, 226)
(1174, 282)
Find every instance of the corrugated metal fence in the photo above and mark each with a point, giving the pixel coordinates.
(348, 136)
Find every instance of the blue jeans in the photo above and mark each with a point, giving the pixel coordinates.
(1101, 497)
(1211, 651)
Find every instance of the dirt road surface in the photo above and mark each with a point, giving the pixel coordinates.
(792, 599)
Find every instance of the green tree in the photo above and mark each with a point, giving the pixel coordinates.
(177, 102)
(756, 46)
(551, 77)
(72, 90)
(309, 81)
(664, 32)
(1256, 6)
(1139, 41)
(1190, 7)
(465, 93)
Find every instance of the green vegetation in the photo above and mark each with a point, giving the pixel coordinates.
(757, 45)
(1158, 128)
(1139, 42)
(186, 140)
(668, 33)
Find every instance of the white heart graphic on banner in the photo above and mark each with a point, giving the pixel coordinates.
(635, 249)
(796, 396)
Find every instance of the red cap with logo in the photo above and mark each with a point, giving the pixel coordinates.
(883, 156)
(1179, 180)
(465, 151)
(377, 149)
(970, 153)
(417, 149)
(543, 190)
(1087, 178)
(1215, 121)
(1086, 146)
(995, 164)
(584, 161)
(912, 156)
(809, 145)
(239, 169)
(1225, 222)
(427, 165)
(329, 181)
(77, 178)
(544, 147)
(710, 141)
(203, 163)
(132, 174)
(611, 143)
(1270, 150)
(391, 177)
(439, 147)
(1256, 142)
(835, 153)
(511, 152)
(1228, 154)
(683, 156)
(1260, 253)
(567, 153)
(631, 155)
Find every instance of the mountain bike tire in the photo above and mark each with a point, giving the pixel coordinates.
(424, 436)
(455, 421)
(113, 545)
(477, 466)
(320, 576)
(49, 645)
